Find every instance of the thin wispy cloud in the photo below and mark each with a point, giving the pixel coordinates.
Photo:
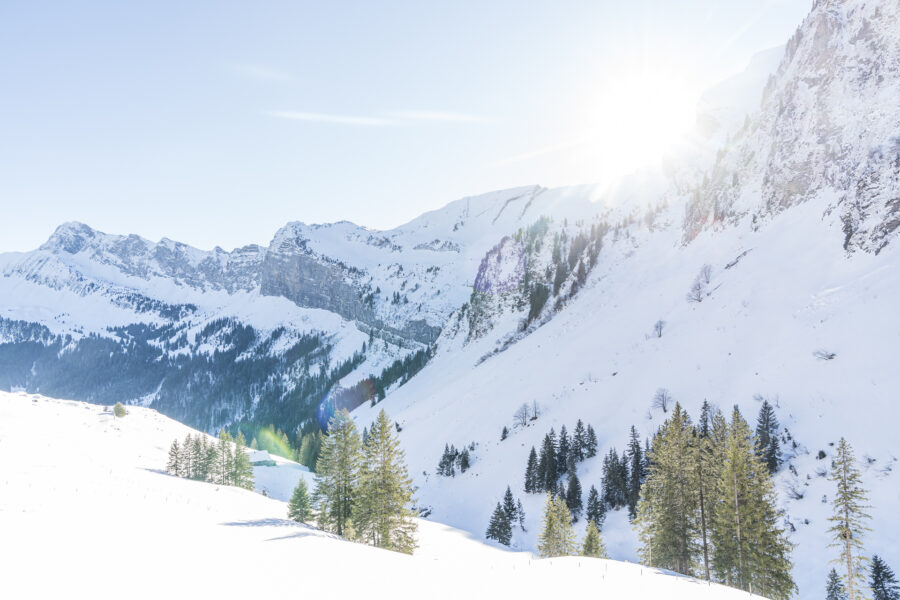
(439, 115)
(263, 73)
(329, 118)
(398, 117)
(510, 160)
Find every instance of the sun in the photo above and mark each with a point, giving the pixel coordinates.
(639, 116)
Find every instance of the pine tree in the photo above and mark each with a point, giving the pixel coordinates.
(579, 441)
(767, 445)
(590, 448)
(187, 458)
(848, 519)
(593, 544)
(446, 466)
(531, 474)
(212, 460)
(499, 527)
(834, 589)
(382, 513)
(520, 515)
(509, 506)
(504, 433)
(556, 537)
(614, 481)
(299, 506)
(573, 496)
(224, 459)
(241, 469)
(751, 551)
(547, 464)
(708, 442)
(337, 475)
(883, 581)
(636, 475)
(667, 511)
(174, 465)
(199, 458)
(596, 510)
(464, 461)
(562, 452)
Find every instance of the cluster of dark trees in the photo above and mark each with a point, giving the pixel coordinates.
(224, 462)
(453, 459)
(623, 476)
(576, 255)
(507, 515)
(363, 490)
(558, 457)
(708, 506)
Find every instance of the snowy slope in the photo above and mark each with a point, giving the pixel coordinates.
(85, 508)
(756, 333)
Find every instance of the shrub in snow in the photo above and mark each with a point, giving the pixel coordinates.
(119, 410)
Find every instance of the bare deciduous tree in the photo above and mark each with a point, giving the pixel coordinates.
(535, 410)
(697, 292)
(705, 273)
(661, 399)
(658, 328)
(520, 417)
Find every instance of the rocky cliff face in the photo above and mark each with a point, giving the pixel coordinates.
(828, 130)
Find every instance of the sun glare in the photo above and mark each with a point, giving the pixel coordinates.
(638, 117)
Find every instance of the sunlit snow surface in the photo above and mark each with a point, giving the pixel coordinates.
(85, 511)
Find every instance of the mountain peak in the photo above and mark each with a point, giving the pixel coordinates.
(70, 237)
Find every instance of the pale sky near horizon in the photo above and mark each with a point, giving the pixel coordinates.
(215, 123)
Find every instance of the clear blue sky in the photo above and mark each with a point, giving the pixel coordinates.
(214, 123)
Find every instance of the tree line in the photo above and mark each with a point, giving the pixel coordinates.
(224, 462)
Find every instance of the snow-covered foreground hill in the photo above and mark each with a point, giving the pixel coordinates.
(85, 510)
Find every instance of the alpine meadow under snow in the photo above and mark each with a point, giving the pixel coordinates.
(759, 267)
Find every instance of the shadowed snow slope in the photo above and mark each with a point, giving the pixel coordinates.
(84, 508)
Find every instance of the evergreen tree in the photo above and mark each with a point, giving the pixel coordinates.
(212, 460)
(199, 458)
(520, 515)
(499, 527)
(447, 464)
(590, 448)
(382, 513)
(579, 441)
(187, 458)
(556, 537)
(708, 444)
(504, 433)
(614, 481)
(595, 510)
(573, 496)
(883, 582)
(848, 519)
(224, 459)
(562, 452)
(509, 506)
(241, 469)
(636, 475)
(464, 461)
(593, 544)
(254, 445)
(310, 447)
(337, 475)
(299, 506)
(834, 589)
(532, 485)
(547, 464)
(667, 511)
(751, 551)
(767, 445)
(174, 465)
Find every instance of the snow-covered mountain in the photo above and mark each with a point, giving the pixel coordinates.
(547, 296)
